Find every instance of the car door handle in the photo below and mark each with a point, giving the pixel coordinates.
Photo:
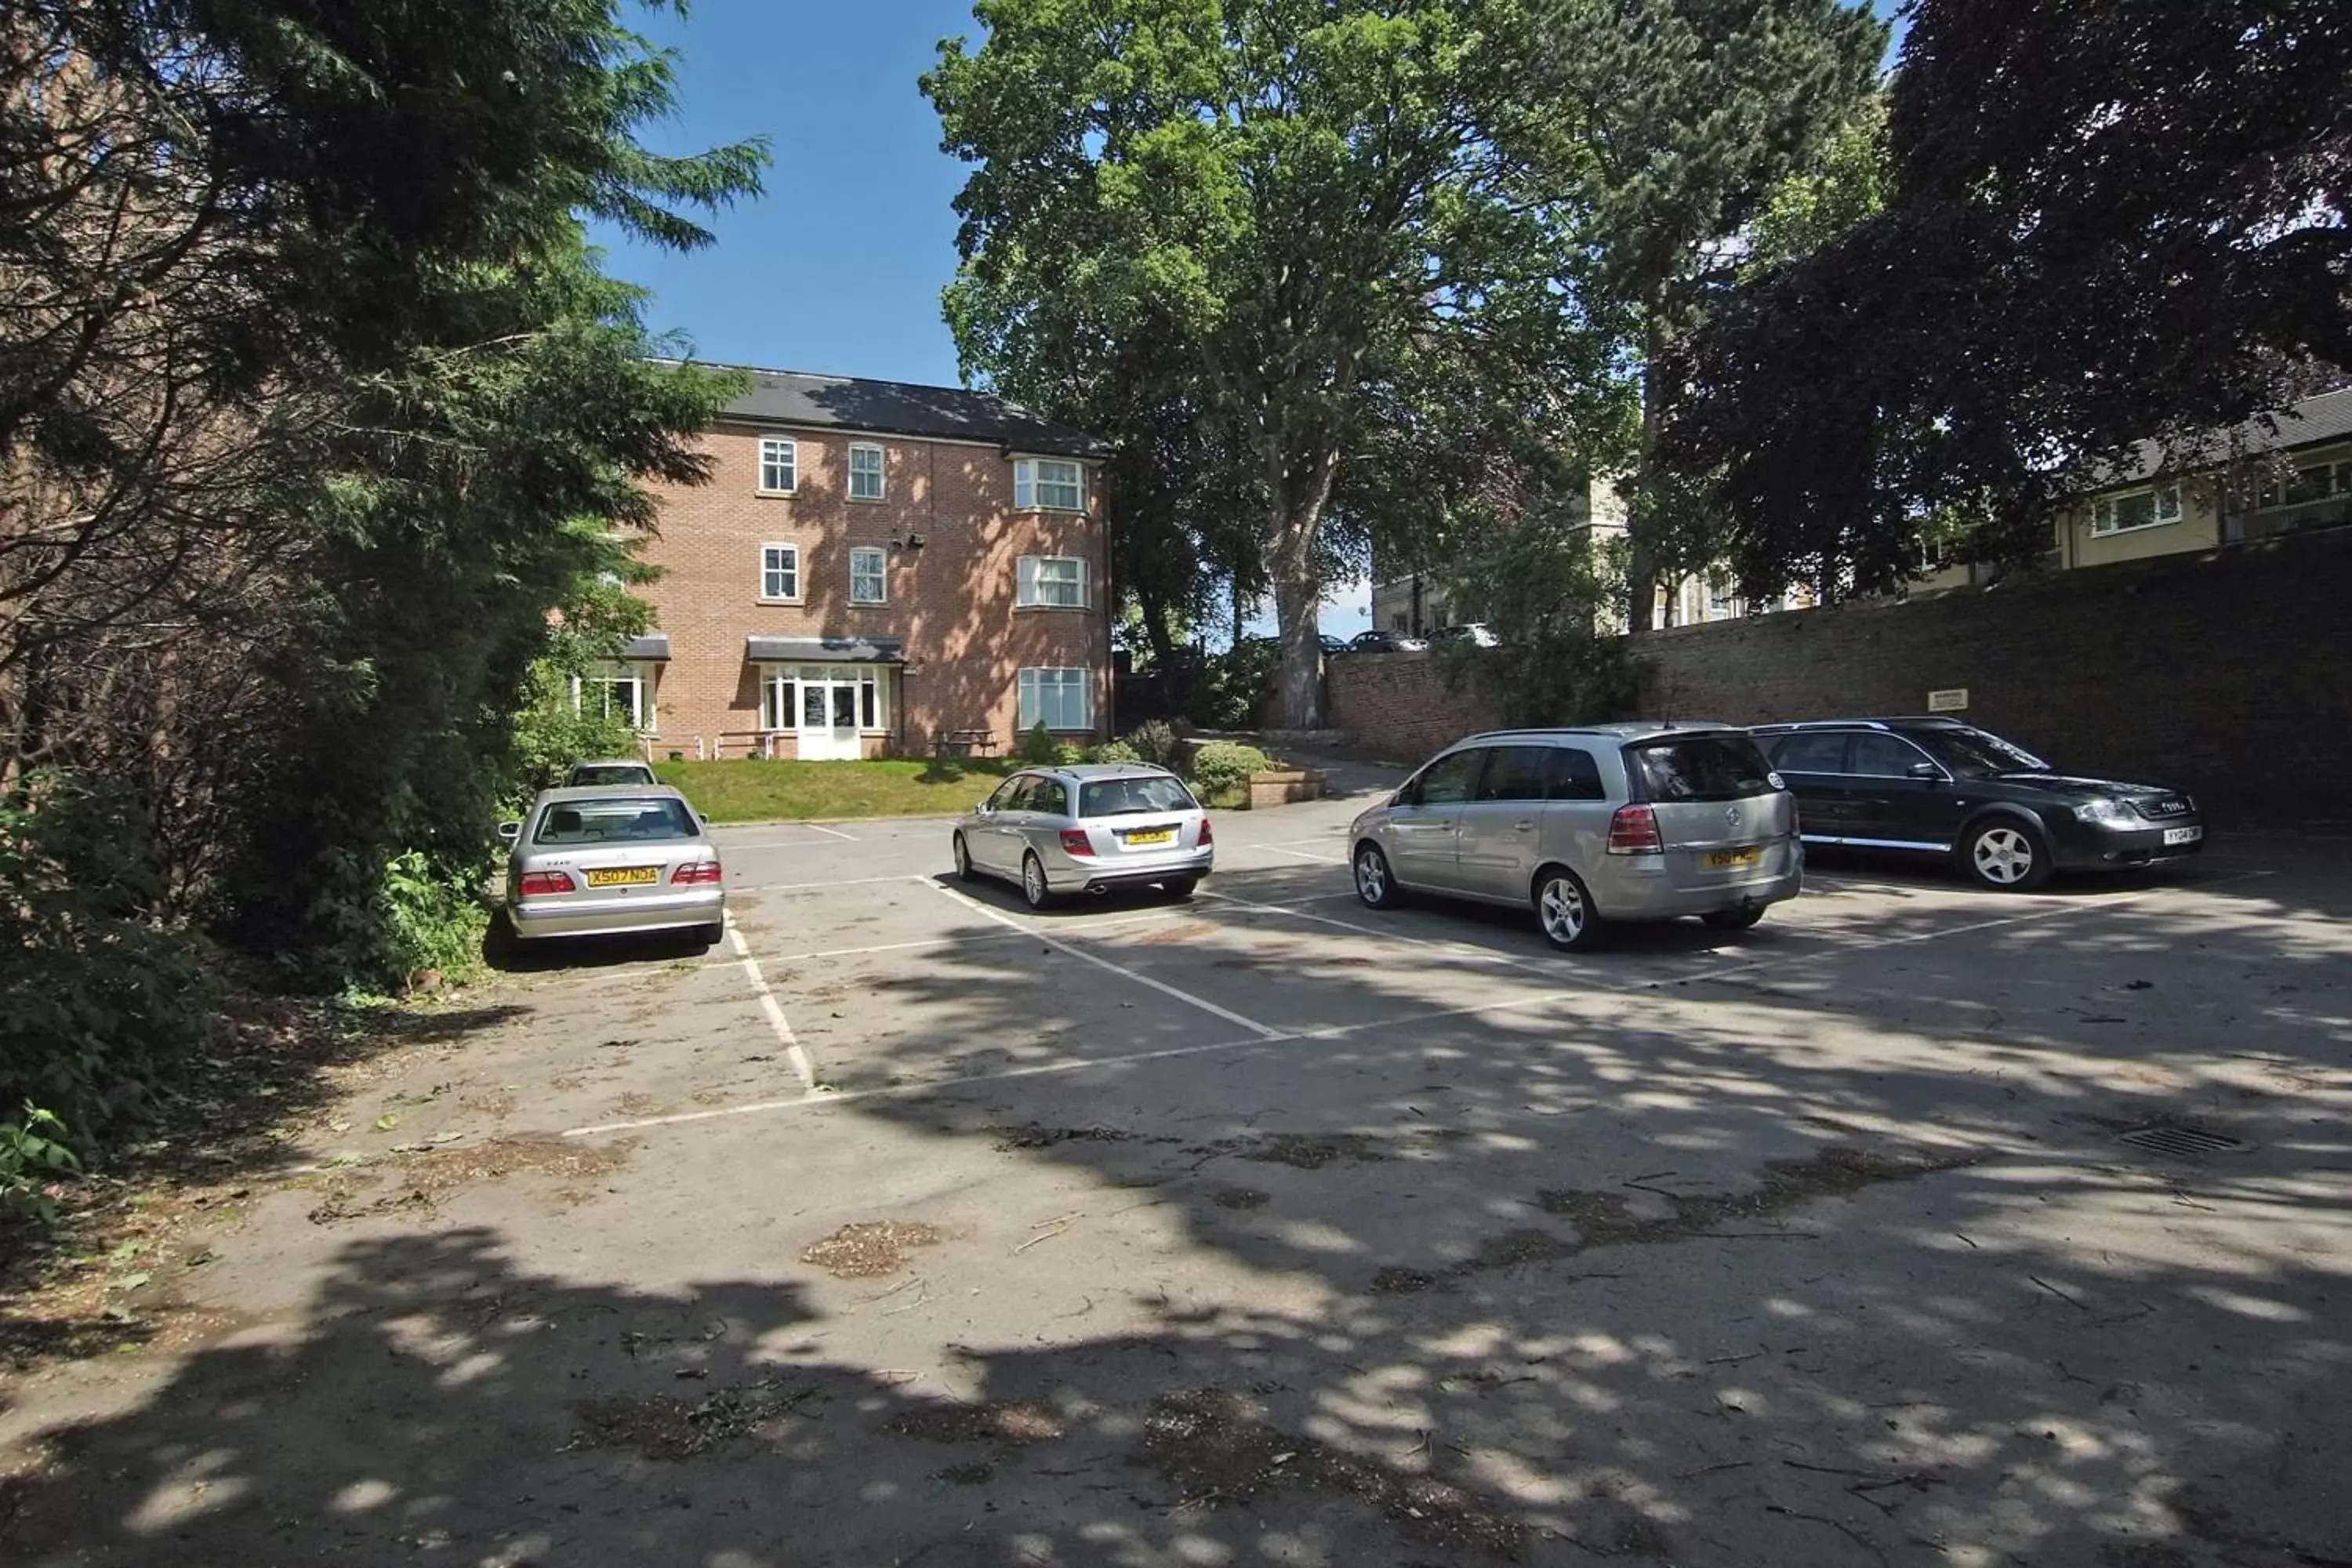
(1522, 828)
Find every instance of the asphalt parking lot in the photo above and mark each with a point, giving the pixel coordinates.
(1918, 1225)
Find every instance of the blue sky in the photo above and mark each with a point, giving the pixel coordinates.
(838, 267)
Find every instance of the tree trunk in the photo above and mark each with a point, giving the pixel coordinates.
(1297, 597)
(1153, 612)
(1641, 552)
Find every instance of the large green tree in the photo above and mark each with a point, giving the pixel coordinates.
(1308, 196)
(1673, 126)
(2106, 223)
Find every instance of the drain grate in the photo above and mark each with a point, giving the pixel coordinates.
(2172, 1138)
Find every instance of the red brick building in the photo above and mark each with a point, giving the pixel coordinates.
(873, 568)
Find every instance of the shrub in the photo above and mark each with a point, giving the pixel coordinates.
(1038, 747)
(99, 998)
(550, 735)
(1155, 740)
(33, 1154)
(1223, 766)
(1235, 686)
(1113, 751)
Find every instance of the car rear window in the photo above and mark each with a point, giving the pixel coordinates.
(620, 820)
(1133, 797)
(614, 773)
(1699, 767)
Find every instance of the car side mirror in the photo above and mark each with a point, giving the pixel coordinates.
(510, 831)
(985, 808)
(1926, 771)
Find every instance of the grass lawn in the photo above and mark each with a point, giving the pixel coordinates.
(746, 791)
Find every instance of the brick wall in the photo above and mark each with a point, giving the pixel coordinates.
(1398, 705)
(2226, 672)
(952, 600)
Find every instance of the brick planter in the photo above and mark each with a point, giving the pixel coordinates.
(1283, 786)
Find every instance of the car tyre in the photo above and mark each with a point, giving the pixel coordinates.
(965, 872)
(1376, 884)
(1182, 888)
(2005, 854)
(1034, 890)
(1740, 918)
(1564, 910)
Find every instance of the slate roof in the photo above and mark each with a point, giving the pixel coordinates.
(791, 397)
(2312, 421)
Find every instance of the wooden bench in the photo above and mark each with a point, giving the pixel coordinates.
(967, 743)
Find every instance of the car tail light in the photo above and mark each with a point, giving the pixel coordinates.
(1076, 842)
(1635, 831)
(539, 884)
(696, 874)
(1207, 835)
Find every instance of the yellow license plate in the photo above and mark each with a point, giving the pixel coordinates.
(626, 877)
(1145, 840)
(1733, 859)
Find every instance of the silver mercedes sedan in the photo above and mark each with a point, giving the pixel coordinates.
(1087, 829)
(613, 860)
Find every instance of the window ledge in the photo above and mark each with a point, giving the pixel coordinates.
(2135, 528)
(866, 500)
(869, 604)
(777, 495)
(779, 604)
(1065, 609)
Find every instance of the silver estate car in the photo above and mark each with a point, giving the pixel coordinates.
(609, 771)
(611, 861)
(1615, 822)
(1087, 829)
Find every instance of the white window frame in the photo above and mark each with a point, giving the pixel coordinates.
(1057, 684)
(879, 571)
(1030, 487)
(789, 573)
(1030, 590)
(779, 694)
(878, 474)
(779, 451)
(640, 675)
(2164, 499)
(2339, 482)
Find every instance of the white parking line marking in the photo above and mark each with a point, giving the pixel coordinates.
(1303, 855)
(1075, 927)
(1204, 1003)
(1466, 950)
(830, 832)
(800, 1065)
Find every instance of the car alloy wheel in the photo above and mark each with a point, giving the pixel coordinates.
(2006, 855)
(1033, 883)
(1565, 911)
(1374, 885)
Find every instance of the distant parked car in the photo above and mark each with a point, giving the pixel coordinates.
(1590, 826)
(613, 860)
(1376, 641)
(1087, 829)
(1938, 786)
(609, 771)
(1478, 633)
(1331, 644)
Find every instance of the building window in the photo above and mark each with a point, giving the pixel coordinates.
(868, 575)
(1053, 581)
(780, 571)
(825, 696)
(1042, 483)
(1064, 698)
(616, 691)
(780, 466)
(865, 473)
(2131, 509)
(2311, 482)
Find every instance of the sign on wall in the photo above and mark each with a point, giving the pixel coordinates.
(1951, 700)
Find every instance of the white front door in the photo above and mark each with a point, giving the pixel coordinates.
(828, 720)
